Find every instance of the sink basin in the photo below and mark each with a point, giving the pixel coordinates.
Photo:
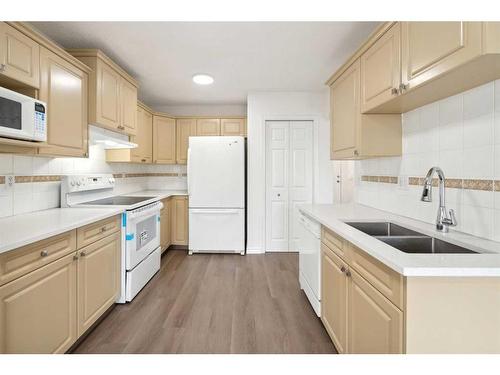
(407, 240)
(424, 245)
(383, 229)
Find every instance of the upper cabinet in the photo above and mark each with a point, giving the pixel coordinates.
(185, 127)
(19, 56)
(112, 93)
(354, 135)
(233, 126)
(381, 70)
(164, 142)
(64, 88)
(430, 49)
(208, 126)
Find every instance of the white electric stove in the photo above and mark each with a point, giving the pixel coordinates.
(140, 226)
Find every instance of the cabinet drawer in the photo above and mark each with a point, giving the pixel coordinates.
(95, 231)
(19, 262)
(385, 280)
(333, 241)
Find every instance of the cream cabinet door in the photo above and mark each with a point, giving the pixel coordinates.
(334, 298)
(64, 88)
(345, 112)
(128, 107)
(143, 153)
(235, 126)
(430, 49)
(207, 127)
(184, 129)
(180, 220)
(164, 140)
(19, 56)
(108, 105)
(98, 279)
(381, 69)
(375, 325)
(38, 310)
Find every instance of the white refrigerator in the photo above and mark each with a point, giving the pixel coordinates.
(216, 188)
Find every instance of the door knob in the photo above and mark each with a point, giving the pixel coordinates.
(279, 195)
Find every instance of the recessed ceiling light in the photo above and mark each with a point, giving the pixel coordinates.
(203, 79)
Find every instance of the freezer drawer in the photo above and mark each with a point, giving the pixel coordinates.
(217, 230)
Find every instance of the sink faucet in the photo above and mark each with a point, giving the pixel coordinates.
(443, 221)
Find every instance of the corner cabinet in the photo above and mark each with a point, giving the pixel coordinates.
(185, 127)
(112, 93)
(164, 141)
(64, 87)
(354, 135)
(19, 56)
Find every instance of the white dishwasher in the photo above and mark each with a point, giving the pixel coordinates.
(310, 260)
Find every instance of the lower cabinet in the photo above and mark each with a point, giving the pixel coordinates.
(48, 308)
(180, 220)
(358, 318)
(38, 310)
(98, 279)
(165, 225)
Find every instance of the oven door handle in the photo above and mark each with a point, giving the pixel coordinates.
(211, 212)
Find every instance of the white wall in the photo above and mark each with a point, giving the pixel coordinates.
(264, 106)
(461, 134)
(204, 109)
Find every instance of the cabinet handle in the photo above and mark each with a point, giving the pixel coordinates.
(356, 152)
(103, 229)
(121, 127)
(342, 269)
(394, 91)
(403, 87)
(143, 160)
(75, 257)
(44, 253)
(348, 273)
(83, 253)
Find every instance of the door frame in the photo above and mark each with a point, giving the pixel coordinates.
(315, 168)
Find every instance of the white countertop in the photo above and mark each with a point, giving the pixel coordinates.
(487, 263)
(20, 230)
(160, 194)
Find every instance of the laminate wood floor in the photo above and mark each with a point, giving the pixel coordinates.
(215, 304)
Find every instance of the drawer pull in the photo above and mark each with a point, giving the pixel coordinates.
(348, 273)
(342, 269)
(44, 253)
(103, 229)
(83, 253)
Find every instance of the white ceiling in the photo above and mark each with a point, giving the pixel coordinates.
(241, 56)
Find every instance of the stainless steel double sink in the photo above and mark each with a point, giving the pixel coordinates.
(407, 240)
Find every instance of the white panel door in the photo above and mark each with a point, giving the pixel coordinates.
(216, 172)
(300, 185)
(288, 180)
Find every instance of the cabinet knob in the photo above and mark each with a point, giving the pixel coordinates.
(356, 152)
(143, 160)
(44, 253)
(403, 87)
(348, 273)
(394, 91)
(342, 269)
(83, 253)
(103, 229)
(75, 257)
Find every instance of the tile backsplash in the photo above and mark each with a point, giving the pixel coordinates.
(460, 134)
(25, 197)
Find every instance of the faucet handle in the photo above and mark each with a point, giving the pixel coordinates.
(452, 220)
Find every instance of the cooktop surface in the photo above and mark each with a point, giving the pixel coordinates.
(119, 200)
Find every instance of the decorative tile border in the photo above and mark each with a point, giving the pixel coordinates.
(57, 178)
(453, 183)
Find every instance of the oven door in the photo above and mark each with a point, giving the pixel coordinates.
(142, 233)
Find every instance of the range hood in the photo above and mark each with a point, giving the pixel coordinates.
(109, 139)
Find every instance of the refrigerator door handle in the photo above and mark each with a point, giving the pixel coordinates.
(210, 212)
(188, 170)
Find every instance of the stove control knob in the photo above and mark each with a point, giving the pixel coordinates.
(78, 183)
(72, 183)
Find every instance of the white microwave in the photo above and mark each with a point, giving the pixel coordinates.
(22, 117)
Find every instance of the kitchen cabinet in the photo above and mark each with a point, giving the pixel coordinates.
(234, 126)
(375, 325)
(143, 153)
(165, 225)
(430, 49)
(64, 87)
(38, 310)
(179, 220)
(381, 69)
(164, 141)
(357, 294)
(98, 279)
(112, 93)
(208, 126)
(357, 136)
(19, 56)
(185, 128)
(334, 298)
